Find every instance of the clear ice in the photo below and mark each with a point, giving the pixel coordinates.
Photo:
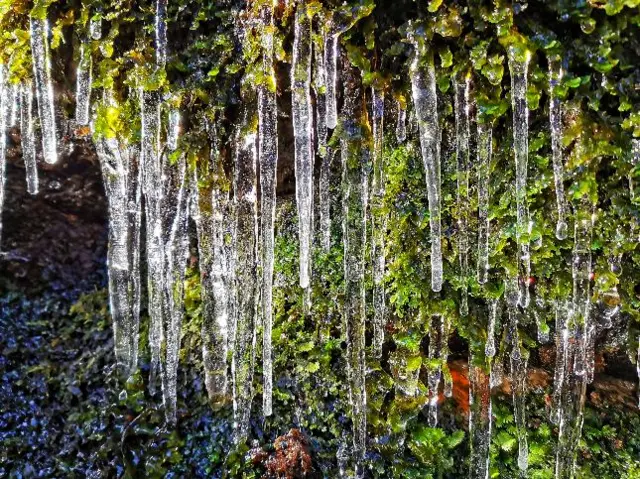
(268, 158)
(519, 69)
(28, 139)
(423, 81)
(83, 84)
(303, 136)
(379, 223)
(462, 175)
(484, 170)
(555, 121)
(246, 280)
(44, 87)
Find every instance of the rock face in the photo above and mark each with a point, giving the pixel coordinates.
(56, 239)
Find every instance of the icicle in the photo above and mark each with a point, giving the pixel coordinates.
(379, 224)
(84, 78)
(581, 292)
(161, 33)
(355, 161)
(518, 68)
(268, 155)
(484, 168)
(331, 66)
(210, 203)
(437, 351)
(5, 105)
(490, 346)
(325, 153)
(122, 180)
(462, 174)
(176, 210)
(246, 280)
(518, 373)
(562, 354)
(302, 130)
(401, 123)
(28, 139)
(480, 419)
(14, 109)
(153, 192)
(44, 87)
(423, 80)
(555, 120)
(173, 130)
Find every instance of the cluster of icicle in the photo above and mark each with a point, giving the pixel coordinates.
(17, 109)
(232, 240)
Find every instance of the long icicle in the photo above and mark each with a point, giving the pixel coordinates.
(462, 173)
(5, 107)
(210, 203)
(28, 139)
(153, 193)
(177, 253)
(268, 156)
(480, 419)
(423, 81)
(44, 87)
(401, 122)
(437, 350)
(303, 136)
(484, 169)
(331, 66)
(246, 279)
(379, 223)
(518, 67)
(121, 174)
(518, 373)
(324, 152)
(355, 160)
(555, 121)
(83, 84)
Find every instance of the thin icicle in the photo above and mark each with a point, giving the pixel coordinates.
(401, 122)
(14, 108)
(174, 129)
(480, 419)
(462, 174)
(303, 136)
(485, 133)
(176, 210)
(325, 153)
(268, 156)
(153, 193)
(555, 120)
(5, 106)
(161, 32)
(210, 203)
(246, 279)
(331, 66)
(379, 223)
(582, 292)
(490, 346)
(519, 68)
(562, 355)
(83, 82)
(44, 87)
(423, 80)
(355, 161)
(518, 373)
(437, 351)
(28, 139)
